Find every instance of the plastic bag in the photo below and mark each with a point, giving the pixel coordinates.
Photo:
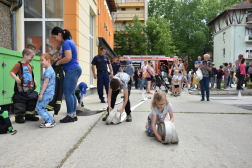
(199, 75)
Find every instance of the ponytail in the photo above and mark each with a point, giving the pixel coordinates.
(65, 33)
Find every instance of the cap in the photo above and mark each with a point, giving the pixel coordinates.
(83, 88)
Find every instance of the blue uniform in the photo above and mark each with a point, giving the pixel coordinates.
(47, 96)
(102, 74)
(116, 66)
(197, 63)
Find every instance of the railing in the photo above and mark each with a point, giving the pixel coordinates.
(128, 1)
(248, 55)
(119, 28)
(249, 19)
(129, 15)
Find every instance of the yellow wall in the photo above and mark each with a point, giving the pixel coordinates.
(19, 28)
(85, 7)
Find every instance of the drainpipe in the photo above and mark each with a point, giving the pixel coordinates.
(14, 25)
(113, 16)
(234, 36)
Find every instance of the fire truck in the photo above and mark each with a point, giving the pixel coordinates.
(160, 62)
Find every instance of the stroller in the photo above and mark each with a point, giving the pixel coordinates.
(160, 81)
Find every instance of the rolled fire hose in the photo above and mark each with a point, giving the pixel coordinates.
(115, 117)
(81, 111)
(168, 132)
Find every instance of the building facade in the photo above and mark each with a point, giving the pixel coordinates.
(127, 10)
(89, 21)
(232, 34)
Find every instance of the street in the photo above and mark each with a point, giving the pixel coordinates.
(211, 134)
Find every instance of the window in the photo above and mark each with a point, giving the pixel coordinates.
(123, 9)
(39, 19)
(248, 30)
(224, 36)
(91, 41)
(137, 8)
(123, 23)
(223, 51)
(249, 13)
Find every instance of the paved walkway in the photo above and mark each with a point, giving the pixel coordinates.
(211, 134)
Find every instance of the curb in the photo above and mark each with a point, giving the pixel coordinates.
(223, 92)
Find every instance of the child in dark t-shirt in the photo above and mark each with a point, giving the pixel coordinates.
(220, 73)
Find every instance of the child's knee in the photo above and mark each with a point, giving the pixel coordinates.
(150, 132)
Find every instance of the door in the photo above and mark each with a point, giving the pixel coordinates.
(8, 81)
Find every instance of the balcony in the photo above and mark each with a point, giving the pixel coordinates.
(248, 55)
(248, 38)
(128, 1)
(119, 28)
(128, 16)
(249, 19)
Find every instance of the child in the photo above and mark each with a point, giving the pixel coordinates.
(167, 83)
(80, 90)
(120, 80)
(175, 80)
(47, 90)
(160, 107)
(226, 75)
(220, 73)
(23, 106)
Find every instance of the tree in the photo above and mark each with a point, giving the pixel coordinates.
(121, 41)
(159, 37)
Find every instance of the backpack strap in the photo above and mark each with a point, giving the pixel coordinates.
(32, 77)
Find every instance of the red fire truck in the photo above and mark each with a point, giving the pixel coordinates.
(161, 63)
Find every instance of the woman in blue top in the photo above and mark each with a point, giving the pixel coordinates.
(71, 68)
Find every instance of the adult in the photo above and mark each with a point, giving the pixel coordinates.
(231, 76)
(136, 77)
(212, 76)
(130, 71)
(149, 77)
(101, 62)
(116, 66)
(72, 70)
(128, 62)
(197, 65)
(206, 67)
(153, 81)
(176, 66)
(242, 74)
(144, 73)
(237, 63)
(249, 71)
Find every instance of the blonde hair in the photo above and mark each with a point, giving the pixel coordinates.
(158, 96)
(166, 78)
(176, 71)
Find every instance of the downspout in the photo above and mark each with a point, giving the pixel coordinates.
(14, 25)
(234, 36)
(113, 16)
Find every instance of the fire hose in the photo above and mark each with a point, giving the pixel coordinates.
(168, 132)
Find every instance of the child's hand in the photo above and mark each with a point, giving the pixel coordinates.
(121, 111)
(79, 105)
(159, 138)
(110, 109)
(40, 97)
(18, 82)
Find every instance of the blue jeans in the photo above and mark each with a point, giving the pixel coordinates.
(240, 82)
(204, 83)
(139, 83)
(212, 82)
(149, 129)
(102, 79)
(144, 82)
(41, 107)
(69, 85)
(231, 79)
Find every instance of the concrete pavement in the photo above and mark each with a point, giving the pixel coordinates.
(210, 136)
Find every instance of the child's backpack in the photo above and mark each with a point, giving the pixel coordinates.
(5, 123)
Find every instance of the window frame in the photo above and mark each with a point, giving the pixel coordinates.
(138, 9)
(123, 8)
(43, 20)
(224, 52)
(91, 52)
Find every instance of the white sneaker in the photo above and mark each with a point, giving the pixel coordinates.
(47, 125)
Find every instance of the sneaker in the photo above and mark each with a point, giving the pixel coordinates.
(75, 118)
(128, 118)
(54, 123)
(105, 118)
(67, 119)
(103, 101)
(202, 99)
(208, 99)
(47, 125)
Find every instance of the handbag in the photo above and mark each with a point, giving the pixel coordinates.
(199, 75)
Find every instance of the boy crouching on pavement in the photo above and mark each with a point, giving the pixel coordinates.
(47, 90)
(123, 80)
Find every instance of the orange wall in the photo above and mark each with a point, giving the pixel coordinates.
(71, 19)
(105, 18)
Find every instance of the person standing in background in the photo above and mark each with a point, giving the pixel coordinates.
(116, 66)
(102, 62)
(231, 76)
